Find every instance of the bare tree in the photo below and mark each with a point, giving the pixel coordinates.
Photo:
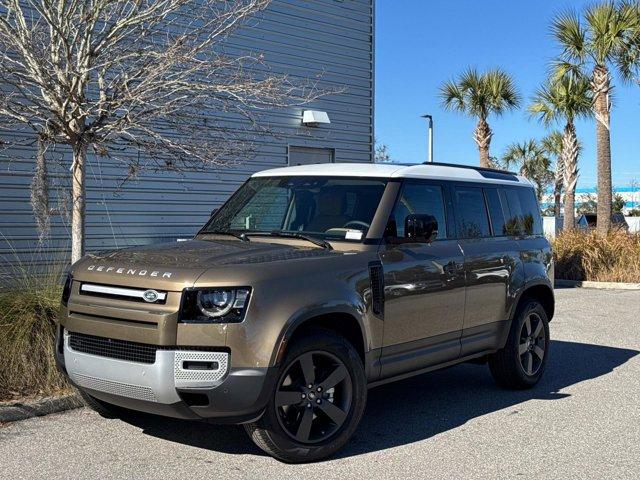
(40, 192)
(382, 154)
(151, 77)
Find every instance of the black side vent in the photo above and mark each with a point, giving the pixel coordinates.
(376, 277)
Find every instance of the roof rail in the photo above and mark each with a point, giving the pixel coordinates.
(471, 167)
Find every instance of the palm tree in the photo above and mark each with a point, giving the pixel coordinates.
(480, 95)
(604, 40)
(564, 99)
(532, 162)
(552, 145)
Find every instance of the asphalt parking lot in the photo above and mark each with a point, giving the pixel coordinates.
(581, 421)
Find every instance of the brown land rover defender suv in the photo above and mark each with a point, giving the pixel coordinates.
(309, 286)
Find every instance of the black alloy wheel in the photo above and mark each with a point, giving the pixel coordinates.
(521, 362)
(531, 348)
(317, 400)
(314, 397)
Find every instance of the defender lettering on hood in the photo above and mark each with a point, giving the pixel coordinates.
(129, 271)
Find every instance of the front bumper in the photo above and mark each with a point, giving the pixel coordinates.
(166, 387)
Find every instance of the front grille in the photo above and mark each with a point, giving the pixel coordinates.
(116, 388)
(123, 293)
(111, 348)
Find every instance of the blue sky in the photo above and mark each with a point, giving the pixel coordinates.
(421, 43)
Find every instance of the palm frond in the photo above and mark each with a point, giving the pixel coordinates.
(514, 155)
(604, 28)
(570, 34)
(544, 105)
(562, 98)
(627, 59)
(532, 161)
(473, 84)
(560, 67)
(552, 143)
(452, 96)
(503, 93)
(480, 95)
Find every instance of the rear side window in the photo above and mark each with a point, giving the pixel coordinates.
(523, 217)
(496, 212)
(471, 213)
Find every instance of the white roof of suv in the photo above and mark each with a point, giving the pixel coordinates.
(389, 170)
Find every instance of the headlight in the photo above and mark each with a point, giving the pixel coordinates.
(219, 305)
(66, 290)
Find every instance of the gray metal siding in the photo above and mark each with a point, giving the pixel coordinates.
(330, 41)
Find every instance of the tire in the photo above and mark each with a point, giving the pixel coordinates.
(104, 409)
(302, 424)
(518, 365)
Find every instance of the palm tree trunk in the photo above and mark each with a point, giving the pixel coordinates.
(601, 87)
(570, 161)
(558, 184)
(78, 200)
(482, 136)
(557, 190)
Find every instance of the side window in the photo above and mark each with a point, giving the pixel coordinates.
(532, 219)
(524, 215)
(471, 213)
(496, 213)
(422, 199)
(511, 199)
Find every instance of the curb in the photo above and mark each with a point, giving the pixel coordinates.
(14, 412)
(597, 285)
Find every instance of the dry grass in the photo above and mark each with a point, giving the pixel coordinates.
(29, 302)
(27, 335)
(590, 256)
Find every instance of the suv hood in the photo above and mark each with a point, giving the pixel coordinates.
(177, 265)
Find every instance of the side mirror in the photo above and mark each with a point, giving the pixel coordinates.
(421, 228)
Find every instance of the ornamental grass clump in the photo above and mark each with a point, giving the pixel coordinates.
(614, 257)
(29, 303)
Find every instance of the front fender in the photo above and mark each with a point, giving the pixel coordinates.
(306, 314)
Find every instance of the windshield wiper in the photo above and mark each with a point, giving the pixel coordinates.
(302, 236)
(316, 241)
(241, 236)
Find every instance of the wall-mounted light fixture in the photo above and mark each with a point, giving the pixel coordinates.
(313, 118)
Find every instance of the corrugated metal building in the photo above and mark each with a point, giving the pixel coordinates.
(332, 39)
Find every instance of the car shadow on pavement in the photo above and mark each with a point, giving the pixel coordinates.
(420, 407)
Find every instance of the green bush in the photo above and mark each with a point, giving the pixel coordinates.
(29, 302)
(603, 258)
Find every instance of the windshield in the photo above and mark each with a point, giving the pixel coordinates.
(328, 208)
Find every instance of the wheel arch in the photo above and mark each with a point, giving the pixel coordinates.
(342, 321)
(543, 292)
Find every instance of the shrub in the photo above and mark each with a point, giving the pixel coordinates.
(29, 302)
(591, 256)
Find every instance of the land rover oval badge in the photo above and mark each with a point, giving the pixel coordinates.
(150, 296)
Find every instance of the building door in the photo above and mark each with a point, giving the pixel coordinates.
(310, 156)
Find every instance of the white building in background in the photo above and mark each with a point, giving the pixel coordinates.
(631, 195)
